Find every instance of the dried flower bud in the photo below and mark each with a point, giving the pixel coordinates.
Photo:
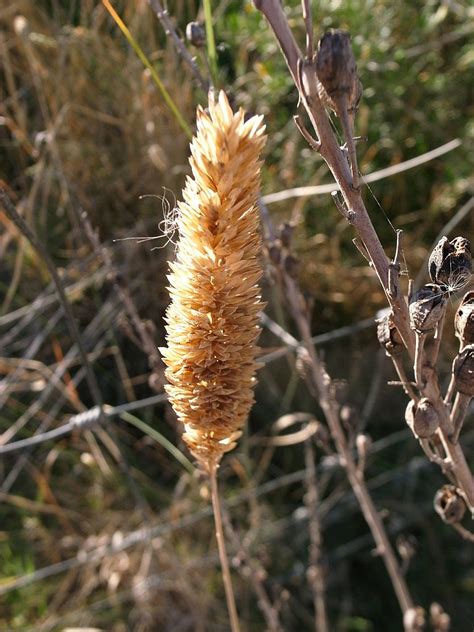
(336, 69)
(363, 445)
(286, 233)
(195, 34)
(21, 26)
(450, 262)
(463, 371)
(449, 504)
(464, 319)
(414, 619)
(422, 418)
(290, 264)
(426, 308)
(389, 336)
(439, 619)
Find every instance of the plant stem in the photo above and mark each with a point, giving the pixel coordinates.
(229, 590)
(211, 43)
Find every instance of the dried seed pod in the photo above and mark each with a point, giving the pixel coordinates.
(336, 69)
(212, 321)
(450, 262)
(463, 371)
(414, 619)
(439, 619)
(422, 418)
(196, 34)
(426, 308)
(389, 336)
(464, 320)
(449, 504)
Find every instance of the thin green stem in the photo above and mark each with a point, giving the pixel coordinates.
(211, 42)
(159, 438)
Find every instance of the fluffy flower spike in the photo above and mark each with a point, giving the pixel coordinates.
(212, 321)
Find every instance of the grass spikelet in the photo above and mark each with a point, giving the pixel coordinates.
(212, 321)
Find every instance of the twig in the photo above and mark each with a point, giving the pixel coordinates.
(306, 82)
(315, 571)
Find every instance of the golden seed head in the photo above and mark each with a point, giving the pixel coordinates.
(212, 321)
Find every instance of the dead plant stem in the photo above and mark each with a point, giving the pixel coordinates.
(316, 575)
(306, 80)
(321, 382)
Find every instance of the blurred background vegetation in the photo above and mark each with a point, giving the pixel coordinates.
(84, 128)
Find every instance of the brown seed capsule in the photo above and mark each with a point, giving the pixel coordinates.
(337, 70)
(449, 504)
(463, 371)
(450, 262)
(464, 320)
(422, 418)
(426, 308)
(389, 336)
(195, 34)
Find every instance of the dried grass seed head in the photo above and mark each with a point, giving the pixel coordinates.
(212, 321)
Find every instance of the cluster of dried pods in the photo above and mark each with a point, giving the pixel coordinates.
(450, 269)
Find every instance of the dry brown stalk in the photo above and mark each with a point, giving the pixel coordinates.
(305, 75)
(315, 573)
(212, 321)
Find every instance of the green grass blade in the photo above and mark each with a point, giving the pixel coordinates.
(145, 61)
(211, 42)
(159, 438)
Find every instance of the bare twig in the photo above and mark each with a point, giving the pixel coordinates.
(315, 573)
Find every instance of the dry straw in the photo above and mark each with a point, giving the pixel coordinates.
(212, 321)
